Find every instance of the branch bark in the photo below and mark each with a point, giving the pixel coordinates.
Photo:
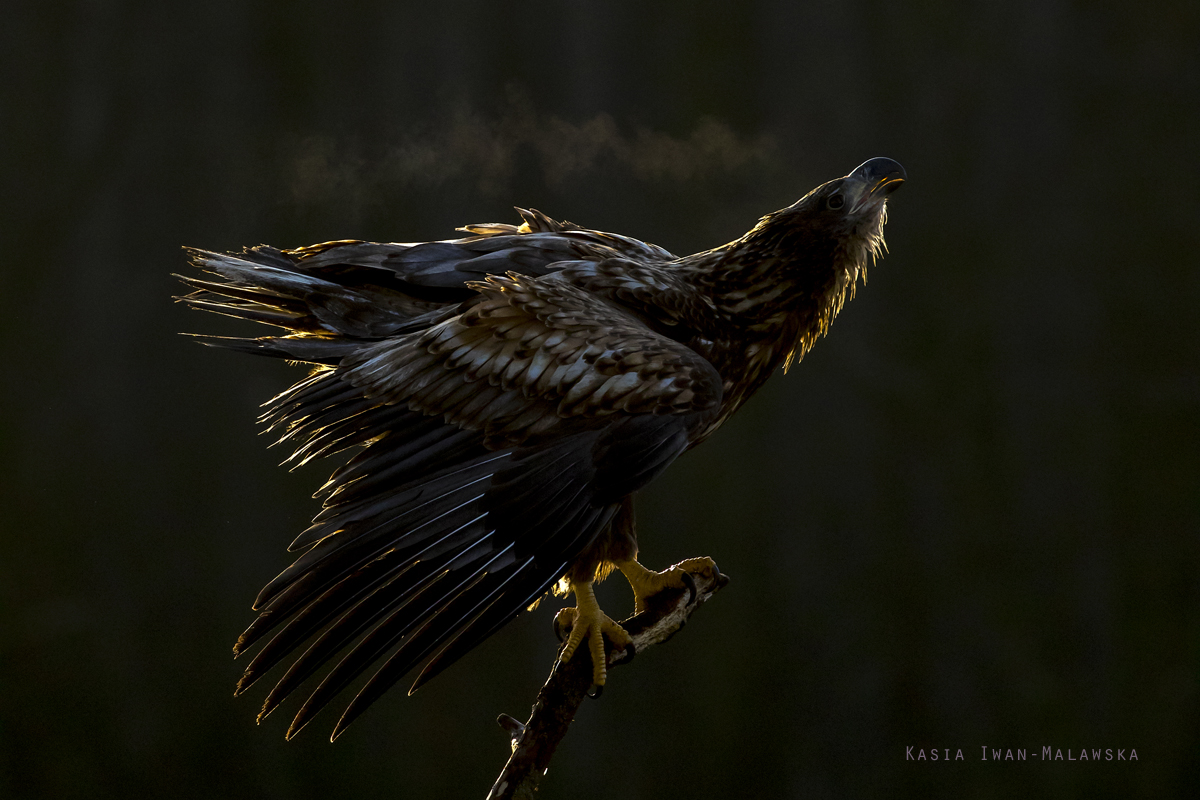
(534, 741)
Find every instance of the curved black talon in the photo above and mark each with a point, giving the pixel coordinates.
(559, 633)
(630, 651)
(595, 691)
(722, 580)
(690, 582)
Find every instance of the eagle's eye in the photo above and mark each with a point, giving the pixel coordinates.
(835, 202)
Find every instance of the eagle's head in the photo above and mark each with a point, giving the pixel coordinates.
(792, 273)
(840, 222)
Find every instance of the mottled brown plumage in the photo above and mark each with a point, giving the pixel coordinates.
(509, 391)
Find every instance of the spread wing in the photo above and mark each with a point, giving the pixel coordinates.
(372, 290)
(500, 436)
(533, 358)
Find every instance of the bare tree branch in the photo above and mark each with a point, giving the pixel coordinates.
(534, 742)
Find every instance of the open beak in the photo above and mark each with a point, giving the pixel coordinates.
(878, 178)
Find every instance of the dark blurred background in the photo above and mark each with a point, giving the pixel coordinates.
(970, 518)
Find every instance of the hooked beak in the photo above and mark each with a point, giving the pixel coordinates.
(876, 179)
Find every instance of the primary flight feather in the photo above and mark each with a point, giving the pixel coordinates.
(508, 392)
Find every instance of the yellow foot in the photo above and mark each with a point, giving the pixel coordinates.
(587, 620)
(645, 582)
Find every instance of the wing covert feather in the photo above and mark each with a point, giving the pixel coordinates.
(531, 354)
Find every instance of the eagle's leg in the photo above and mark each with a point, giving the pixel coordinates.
(646, 582)
(587, 620)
